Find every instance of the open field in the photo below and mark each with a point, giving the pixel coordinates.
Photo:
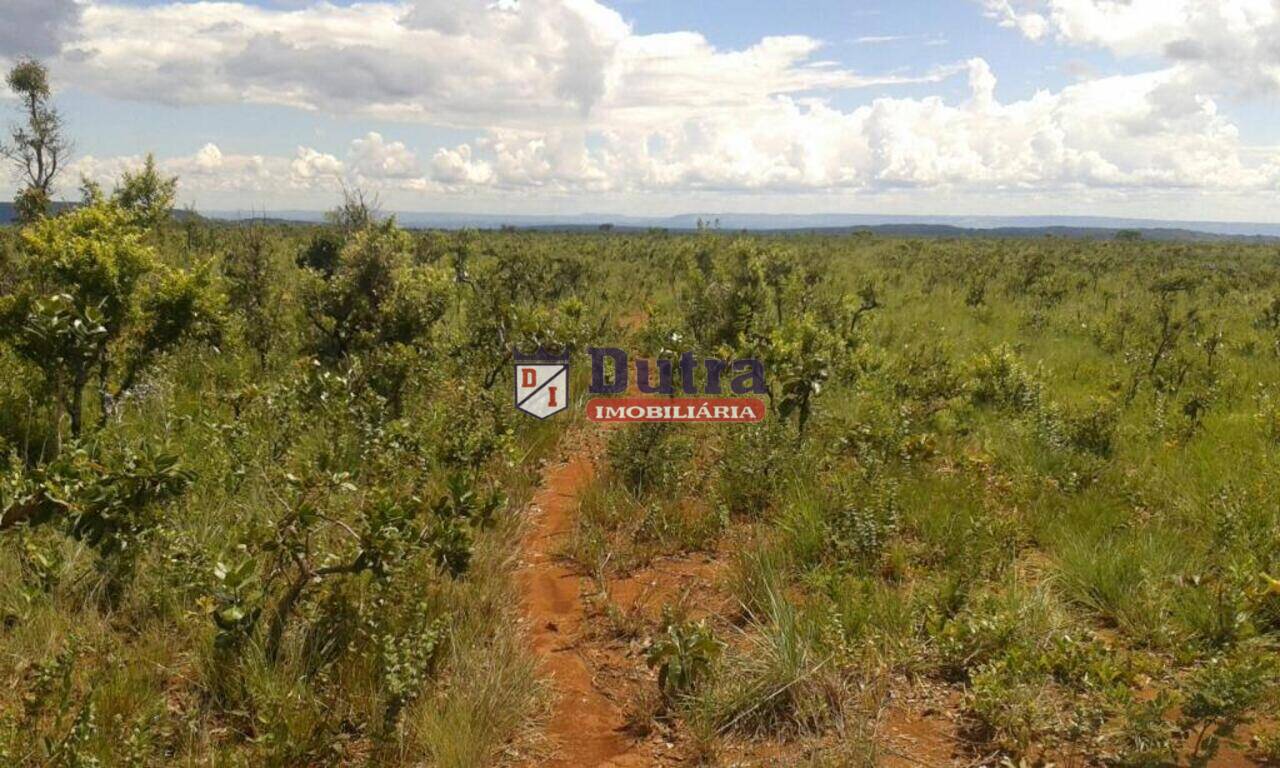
(265, 500)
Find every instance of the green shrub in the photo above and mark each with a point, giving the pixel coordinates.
(1141, 735)
(991, 625)
(1268, 416)
(754, 465)
(373, 295)
(1220, 696)
(96, 302)
(1094, 430)
(684, 653)
(862, 520)
(1266, 747)
(1009, 699)
(928, 374)
(649, 458)
(998, 378)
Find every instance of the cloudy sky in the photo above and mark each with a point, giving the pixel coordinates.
(1156, 108)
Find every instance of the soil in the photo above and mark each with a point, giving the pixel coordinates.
(586, 727)
(588, 632)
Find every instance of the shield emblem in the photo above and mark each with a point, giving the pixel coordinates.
(542, 384)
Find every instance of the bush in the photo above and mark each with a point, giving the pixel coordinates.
(1142, 736)
(1008, 699)
(374, 295)
(97, 303)
(928, 374)
(1266, 747)
(998, 378)
(755, 463)
(1268, 416)
(649, 459)
(1094, 430)
(684, 653)
(106, 501)
(862, 520)
(993, 624)
(1219, 697)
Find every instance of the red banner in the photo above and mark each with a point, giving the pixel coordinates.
(676, 409)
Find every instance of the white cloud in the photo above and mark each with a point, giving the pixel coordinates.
(464, 63)
(1029, 23)
(374, 158)
(457, 166)
(207, 169)
(371, 162)
(926, 39)
(564, 97)
(1111, 132)
(1229, 45)
(311, 164)
(1137, 132)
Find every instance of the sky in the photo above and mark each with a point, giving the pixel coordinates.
(1162, 109)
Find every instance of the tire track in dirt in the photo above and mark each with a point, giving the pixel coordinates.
(586, 727)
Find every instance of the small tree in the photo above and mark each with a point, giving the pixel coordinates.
(93, 301)
(174, 305)
(253, 288)
(376, 305)
(358, 211)
(67, 341)
(90, 191)
(37, 148)
(81, 274)
(147, 196)
(800, 356)
(375, 296)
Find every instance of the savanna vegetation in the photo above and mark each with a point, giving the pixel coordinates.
(261, 489)
(1028, 482)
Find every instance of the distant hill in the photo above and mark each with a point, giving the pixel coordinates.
(1070, 233)
(1075, 226)
(8, 216)
(1078, 227)
(1082, 227)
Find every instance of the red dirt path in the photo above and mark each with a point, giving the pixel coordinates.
(586, 726)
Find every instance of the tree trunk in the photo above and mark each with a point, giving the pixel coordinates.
(77, 406)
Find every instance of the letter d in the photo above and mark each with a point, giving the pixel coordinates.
(620, 373)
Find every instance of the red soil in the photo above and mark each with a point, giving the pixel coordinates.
(586, 726)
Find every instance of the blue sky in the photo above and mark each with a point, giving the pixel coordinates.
(1155, 107)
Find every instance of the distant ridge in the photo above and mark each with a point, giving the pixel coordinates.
(1083, 227)
(1078, 227)
(8, 214)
